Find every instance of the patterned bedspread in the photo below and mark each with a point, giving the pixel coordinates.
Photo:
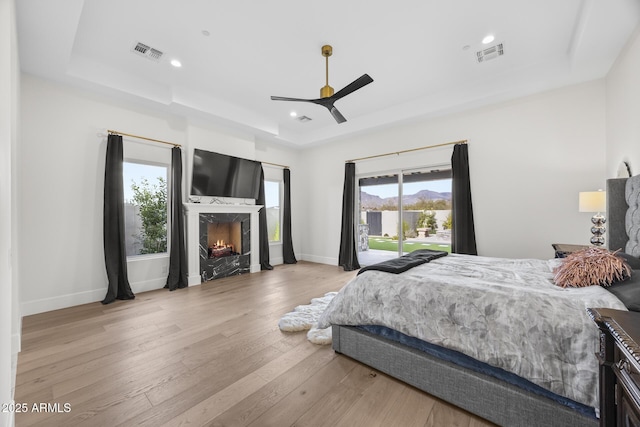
(505, 312)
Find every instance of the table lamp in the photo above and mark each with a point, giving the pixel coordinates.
(594, 201)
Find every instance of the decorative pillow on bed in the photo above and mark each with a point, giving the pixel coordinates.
(589, 267)
(634, 262)
(628, 291)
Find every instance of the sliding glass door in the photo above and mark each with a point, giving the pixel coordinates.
(378, 222)
(402, 212)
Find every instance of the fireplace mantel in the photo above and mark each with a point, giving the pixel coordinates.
(199, 208)
(192, 213)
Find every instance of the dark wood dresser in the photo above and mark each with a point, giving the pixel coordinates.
(619, 356)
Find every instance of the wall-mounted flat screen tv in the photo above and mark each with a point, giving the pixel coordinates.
(219, 175)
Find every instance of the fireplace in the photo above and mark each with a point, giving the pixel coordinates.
(240, 219)
(225, 244)
(224, 239)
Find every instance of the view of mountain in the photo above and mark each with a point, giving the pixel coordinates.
(372, 202)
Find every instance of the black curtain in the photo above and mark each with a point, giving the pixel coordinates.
(287, 245)
(463, 236)
(264, 233)
(115, 257)
(177, 278)
(348, 257)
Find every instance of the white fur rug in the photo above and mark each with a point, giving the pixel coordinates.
(305, 317)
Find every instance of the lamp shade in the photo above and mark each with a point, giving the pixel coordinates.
(592, 201)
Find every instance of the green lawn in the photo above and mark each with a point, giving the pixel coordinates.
(387, 244)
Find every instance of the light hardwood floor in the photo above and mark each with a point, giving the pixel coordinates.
(209, 355)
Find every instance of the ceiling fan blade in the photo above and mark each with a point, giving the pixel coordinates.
(337, 115)
(282, 98)
(361, 81)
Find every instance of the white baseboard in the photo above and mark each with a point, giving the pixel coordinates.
(7, 419)
(64, 301)
(319, 259)
(16, 337)
(148, 285)
(14, 364)
(16, 342)
(194, 279)
(276, 261)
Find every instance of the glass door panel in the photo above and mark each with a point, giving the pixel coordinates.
(378, 219)
(426, 210)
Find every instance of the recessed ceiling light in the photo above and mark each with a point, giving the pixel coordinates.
(176, 63)
(488, 39)
(293, 114)
(205, 33)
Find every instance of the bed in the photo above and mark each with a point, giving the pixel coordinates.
(458, 352)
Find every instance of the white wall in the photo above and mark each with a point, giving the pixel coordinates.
(529, 159)
(623, 109)
(10, 319)
(62, 174)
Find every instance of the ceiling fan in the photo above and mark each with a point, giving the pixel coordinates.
(327, 97)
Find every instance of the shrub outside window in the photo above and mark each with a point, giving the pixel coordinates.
(145, 208)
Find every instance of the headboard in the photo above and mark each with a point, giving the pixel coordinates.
(632, 218)
(623, 212)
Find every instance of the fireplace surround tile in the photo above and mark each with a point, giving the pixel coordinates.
(215, 268)
(248, 262)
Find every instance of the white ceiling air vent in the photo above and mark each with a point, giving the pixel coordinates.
(147, 51)
(155, 54)
(304, 119)
(490, 53)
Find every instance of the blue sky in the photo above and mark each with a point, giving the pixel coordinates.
(136, 172)
(391, 190)
(271, 191)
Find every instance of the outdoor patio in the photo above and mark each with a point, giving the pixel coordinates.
(373, 255)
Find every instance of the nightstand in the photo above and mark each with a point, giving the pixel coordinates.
(562, 249)
(619, 358)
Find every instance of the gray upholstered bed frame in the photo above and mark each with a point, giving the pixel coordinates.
(480, 394)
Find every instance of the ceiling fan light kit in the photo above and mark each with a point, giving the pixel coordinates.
(327, 95)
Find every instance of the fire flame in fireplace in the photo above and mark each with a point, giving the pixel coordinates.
(221, 244)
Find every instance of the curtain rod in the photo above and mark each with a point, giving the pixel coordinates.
(462, 141)
(115, 132)
(274, 164)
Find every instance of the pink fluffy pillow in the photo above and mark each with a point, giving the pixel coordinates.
(589, 267)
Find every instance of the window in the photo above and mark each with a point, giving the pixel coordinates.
(272, 202)
(145, 208)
